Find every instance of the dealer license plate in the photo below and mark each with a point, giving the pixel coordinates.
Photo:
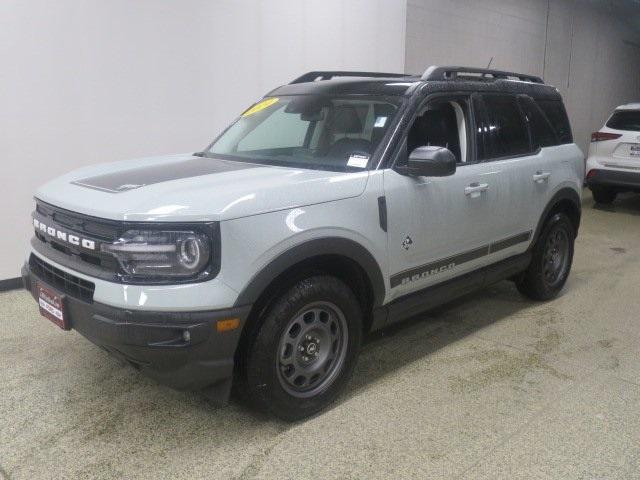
(52, 306)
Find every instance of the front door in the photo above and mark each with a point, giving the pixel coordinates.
(439, 227)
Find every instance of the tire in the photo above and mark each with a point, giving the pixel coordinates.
(551, 261)
(302, 351)
(603, 195)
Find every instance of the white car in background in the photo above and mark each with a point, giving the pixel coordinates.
(613, 165)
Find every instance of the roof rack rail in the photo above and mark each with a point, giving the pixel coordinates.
(328, 75)
(451, 73)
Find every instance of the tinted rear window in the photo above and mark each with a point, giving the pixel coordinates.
(542, 133)
(625, 120)
(503, 129)
(557, 116)
(482, 147)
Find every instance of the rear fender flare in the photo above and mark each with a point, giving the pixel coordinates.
(564, 194)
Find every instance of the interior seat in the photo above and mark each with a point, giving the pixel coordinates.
(346, 121)
(437, 127)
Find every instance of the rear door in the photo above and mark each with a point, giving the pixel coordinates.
(544, 167)
(504, 147)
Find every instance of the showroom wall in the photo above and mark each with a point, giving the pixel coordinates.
(94, 81)
(577, 45)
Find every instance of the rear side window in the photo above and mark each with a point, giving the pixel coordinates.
(501, 131)
(482, 147)
(542, 133)
(625, 120)
(557, 116)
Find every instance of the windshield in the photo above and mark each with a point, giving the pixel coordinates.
(309, 131)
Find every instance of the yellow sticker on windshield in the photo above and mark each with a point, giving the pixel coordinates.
(267, 102)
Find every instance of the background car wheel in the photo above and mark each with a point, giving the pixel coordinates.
(551, 261)
(304, 348)
(603, 195)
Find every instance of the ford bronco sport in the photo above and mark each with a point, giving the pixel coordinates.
(336, 205)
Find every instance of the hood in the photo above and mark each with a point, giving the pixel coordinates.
(190, 188)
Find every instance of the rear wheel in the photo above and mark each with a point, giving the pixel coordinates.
(304, 349)
(603, 195)
(551, 261)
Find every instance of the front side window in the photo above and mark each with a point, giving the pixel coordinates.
(442, 123)
(309, 131)
(625, 120)
(502, 131)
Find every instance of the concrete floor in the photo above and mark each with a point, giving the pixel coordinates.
(492, 387)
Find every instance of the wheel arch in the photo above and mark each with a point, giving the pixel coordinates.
(565, 200)
(341, 257)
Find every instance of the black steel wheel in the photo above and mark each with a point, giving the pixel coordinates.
(552, 256)
(302, 351)
(556, 256)
(312, 349)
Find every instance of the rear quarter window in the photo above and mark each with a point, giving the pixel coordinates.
(542, 133)
(503, 131)
(557, 116)
(625, 120)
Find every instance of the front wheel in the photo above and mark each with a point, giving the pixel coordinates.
(304, 349)
(551, 260)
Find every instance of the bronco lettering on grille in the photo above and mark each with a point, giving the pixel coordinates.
(64, 236)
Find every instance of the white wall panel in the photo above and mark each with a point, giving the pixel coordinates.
(581, 50)
(92, 81)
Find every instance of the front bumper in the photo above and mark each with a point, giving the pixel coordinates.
(613, 178)
(155, 342)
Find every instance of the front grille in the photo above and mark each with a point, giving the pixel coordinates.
(61, 280)
(97, 230)
(55, 227)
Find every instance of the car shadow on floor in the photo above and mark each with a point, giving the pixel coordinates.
(625, 203)
(401, 344)
(383, 353)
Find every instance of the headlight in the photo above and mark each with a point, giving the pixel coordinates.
(161, 254)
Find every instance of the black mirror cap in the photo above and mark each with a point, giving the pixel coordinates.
(429, 162)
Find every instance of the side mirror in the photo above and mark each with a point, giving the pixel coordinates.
(429, 162)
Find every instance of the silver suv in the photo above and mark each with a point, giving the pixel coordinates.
(338, 204)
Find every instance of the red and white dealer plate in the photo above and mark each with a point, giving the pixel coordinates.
(52, 306)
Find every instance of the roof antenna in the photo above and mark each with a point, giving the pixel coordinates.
(488, 65)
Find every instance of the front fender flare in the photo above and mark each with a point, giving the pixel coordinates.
(315, 248)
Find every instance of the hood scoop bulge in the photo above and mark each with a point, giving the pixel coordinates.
(131, 179)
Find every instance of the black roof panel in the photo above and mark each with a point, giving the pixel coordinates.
(405, 86)
(350, 86)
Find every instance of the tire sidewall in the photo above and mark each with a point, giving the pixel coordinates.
(262, 374)
(558, 220)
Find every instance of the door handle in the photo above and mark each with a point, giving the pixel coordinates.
(540, 177)
(475, 189)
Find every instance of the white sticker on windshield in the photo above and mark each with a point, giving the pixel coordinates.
(380, 122)
(358, 161)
